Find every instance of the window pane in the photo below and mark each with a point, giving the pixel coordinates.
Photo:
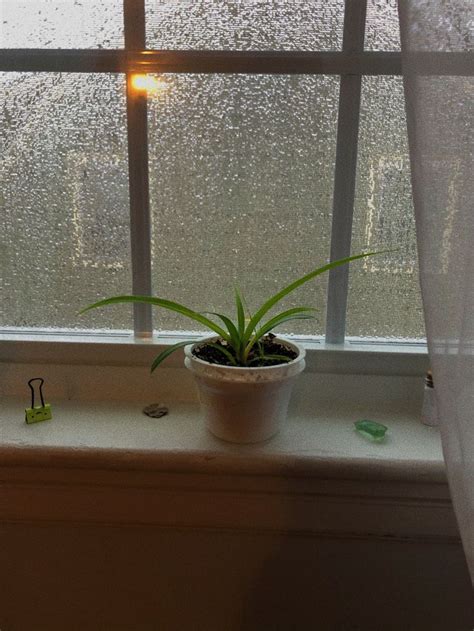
(245, 24)
(384, 297)
(382, 30)
(63, 199)
(61, 24)
(242, 170)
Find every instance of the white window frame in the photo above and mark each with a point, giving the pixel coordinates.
(351, 64)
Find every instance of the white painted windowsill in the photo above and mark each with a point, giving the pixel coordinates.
(316, 442)
(98, 389)
(98, 386)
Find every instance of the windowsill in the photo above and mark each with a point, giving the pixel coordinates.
(98, 386)
(319, 443)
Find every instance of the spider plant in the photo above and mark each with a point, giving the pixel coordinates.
(241, 336)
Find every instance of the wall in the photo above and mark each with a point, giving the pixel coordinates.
(89, 550)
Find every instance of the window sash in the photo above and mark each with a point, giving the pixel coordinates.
(351, 63)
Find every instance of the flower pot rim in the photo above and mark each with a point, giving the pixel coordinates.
(188, 351)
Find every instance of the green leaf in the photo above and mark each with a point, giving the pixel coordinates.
(233, 333)
(294, 285)
(166, 353)
(240, 312)
(224, 351)
(297, 313)
(246, 309)
(282, 358)
(166, 304)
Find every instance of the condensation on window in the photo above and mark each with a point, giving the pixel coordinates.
(61, 24)
(382, 27)
(241, 174)
(384, 295)
(245, 24)
(446, 27)
(63, 199)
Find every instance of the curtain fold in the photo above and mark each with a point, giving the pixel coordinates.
(438, 68)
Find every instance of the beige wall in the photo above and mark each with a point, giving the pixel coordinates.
(144, 551)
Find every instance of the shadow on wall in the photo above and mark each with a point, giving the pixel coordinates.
(355, 584)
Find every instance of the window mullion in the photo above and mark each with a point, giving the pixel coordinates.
(137, 126)
(345, 174)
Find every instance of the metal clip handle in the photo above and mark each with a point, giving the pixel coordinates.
(33, 390)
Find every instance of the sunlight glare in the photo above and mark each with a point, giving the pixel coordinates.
(148, 83)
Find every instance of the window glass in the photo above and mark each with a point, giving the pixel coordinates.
(61, 24)
(242, 170)
(384, 296)
(245, 24)
(382, 29)
(63, 199)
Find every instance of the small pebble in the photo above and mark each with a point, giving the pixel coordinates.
(155, 410)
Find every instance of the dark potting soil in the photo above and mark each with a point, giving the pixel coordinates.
(268, 347)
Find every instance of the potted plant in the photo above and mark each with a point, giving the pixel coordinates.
(245, 374)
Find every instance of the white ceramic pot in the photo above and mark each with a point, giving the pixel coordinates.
(245, 405)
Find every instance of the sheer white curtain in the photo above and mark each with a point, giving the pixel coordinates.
(438, 68)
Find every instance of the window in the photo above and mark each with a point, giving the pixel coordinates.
(269, 135)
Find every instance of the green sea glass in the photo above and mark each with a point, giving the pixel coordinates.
(371, 430)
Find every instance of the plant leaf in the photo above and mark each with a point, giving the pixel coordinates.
(294, 285)
(167, 352)
(270, 357)
(234, 334)
(166, 304)
(240, 312)
(223, 350)
(297, 313)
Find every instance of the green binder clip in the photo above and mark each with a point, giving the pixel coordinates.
(37, 413)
